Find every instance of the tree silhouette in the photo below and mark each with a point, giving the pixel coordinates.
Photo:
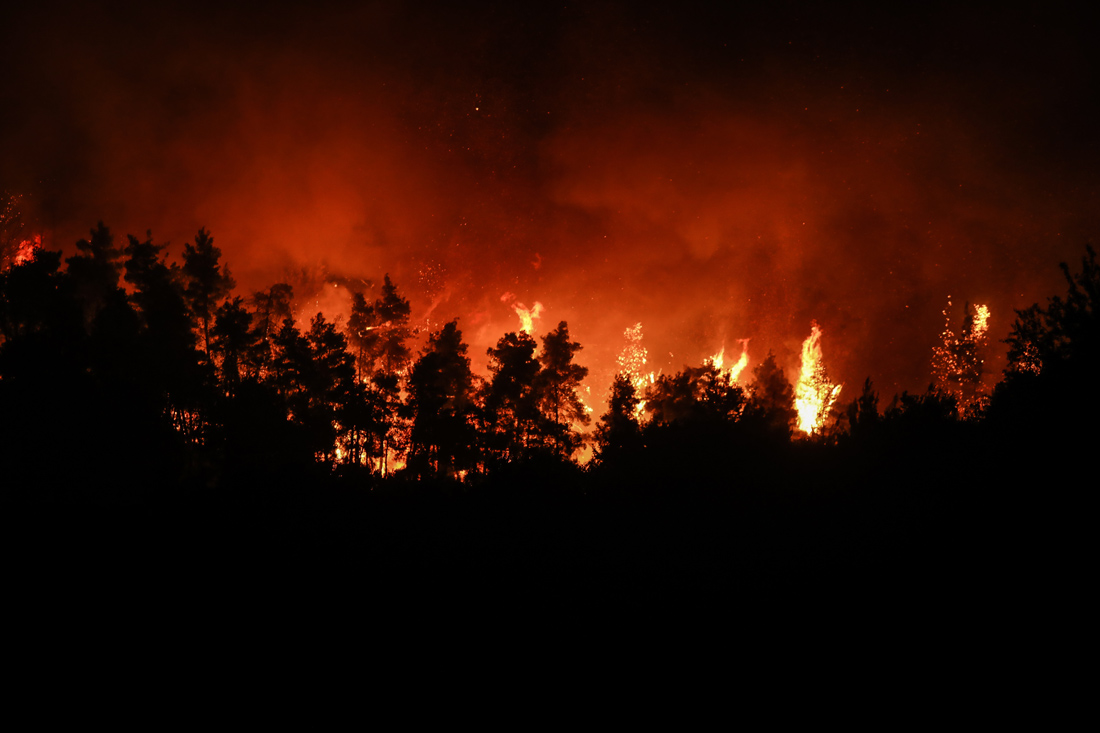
(619, 433)
(1053, 353)
(392, 311)
(363, 335)
(442, 405)
(512, 399)
(315, 375)
(557, 386)
(378, 333)
(38, 302)
(863, 415)
(771, 405)
(95, 270)
(1067, 328)
(159, 299)
(205, 281)
(330, 384)
(167, 336)
(692, 395)
(271, 307)
(234, 343)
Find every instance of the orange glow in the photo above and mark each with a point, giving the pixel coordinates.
(738, 203)
(814, 395)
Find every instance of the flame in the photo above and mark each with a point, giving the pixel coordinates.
(981, 322)
(958, 364)
(814, 395)
(527, 317)
(632, 361)
(24, 251)
(735, 369)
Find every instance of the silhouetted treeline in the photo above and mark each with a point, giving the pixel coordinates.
(154, 376)
(120, 370)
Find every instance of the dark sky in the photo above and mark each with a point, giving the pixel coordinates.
(715, 174)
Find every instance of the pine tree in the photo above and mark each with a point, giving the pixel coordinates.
(233, 342)
(271, 307)
(512, 397)
(95, 270)
(442, 405)
(619, 431)
(771, 403)
(206, 281)
(558, 386)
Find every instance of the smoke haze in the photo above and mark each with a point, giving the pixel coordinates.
(713, 174)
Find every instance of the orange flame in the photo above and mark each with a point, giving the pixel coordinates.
(527, 317)
(981, 322)
(632, 360)
(814, 395)
(958, 364)
(735, 369)
(25, 250)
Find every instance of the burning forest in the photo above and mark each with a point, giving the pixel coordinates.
(758, 267)
(376, 395)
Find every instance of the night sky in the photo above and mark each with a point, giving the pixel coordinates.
(716, 174)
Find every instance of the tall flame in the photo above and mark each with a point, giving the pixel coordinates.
(814, 395)
(632, 360)
(527, 317)
(981, 322)
(734, 370)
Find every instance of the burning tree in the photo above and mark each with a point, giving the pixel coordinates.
(958, 363)
(814, 394)
(17, 241)
(632, 361)
(733, 371)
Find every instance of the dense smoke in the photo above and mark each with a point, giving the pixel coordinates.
(714, 175)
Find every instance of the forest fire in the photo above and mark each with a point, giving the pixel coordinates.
(425, 385)
(814, 393)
